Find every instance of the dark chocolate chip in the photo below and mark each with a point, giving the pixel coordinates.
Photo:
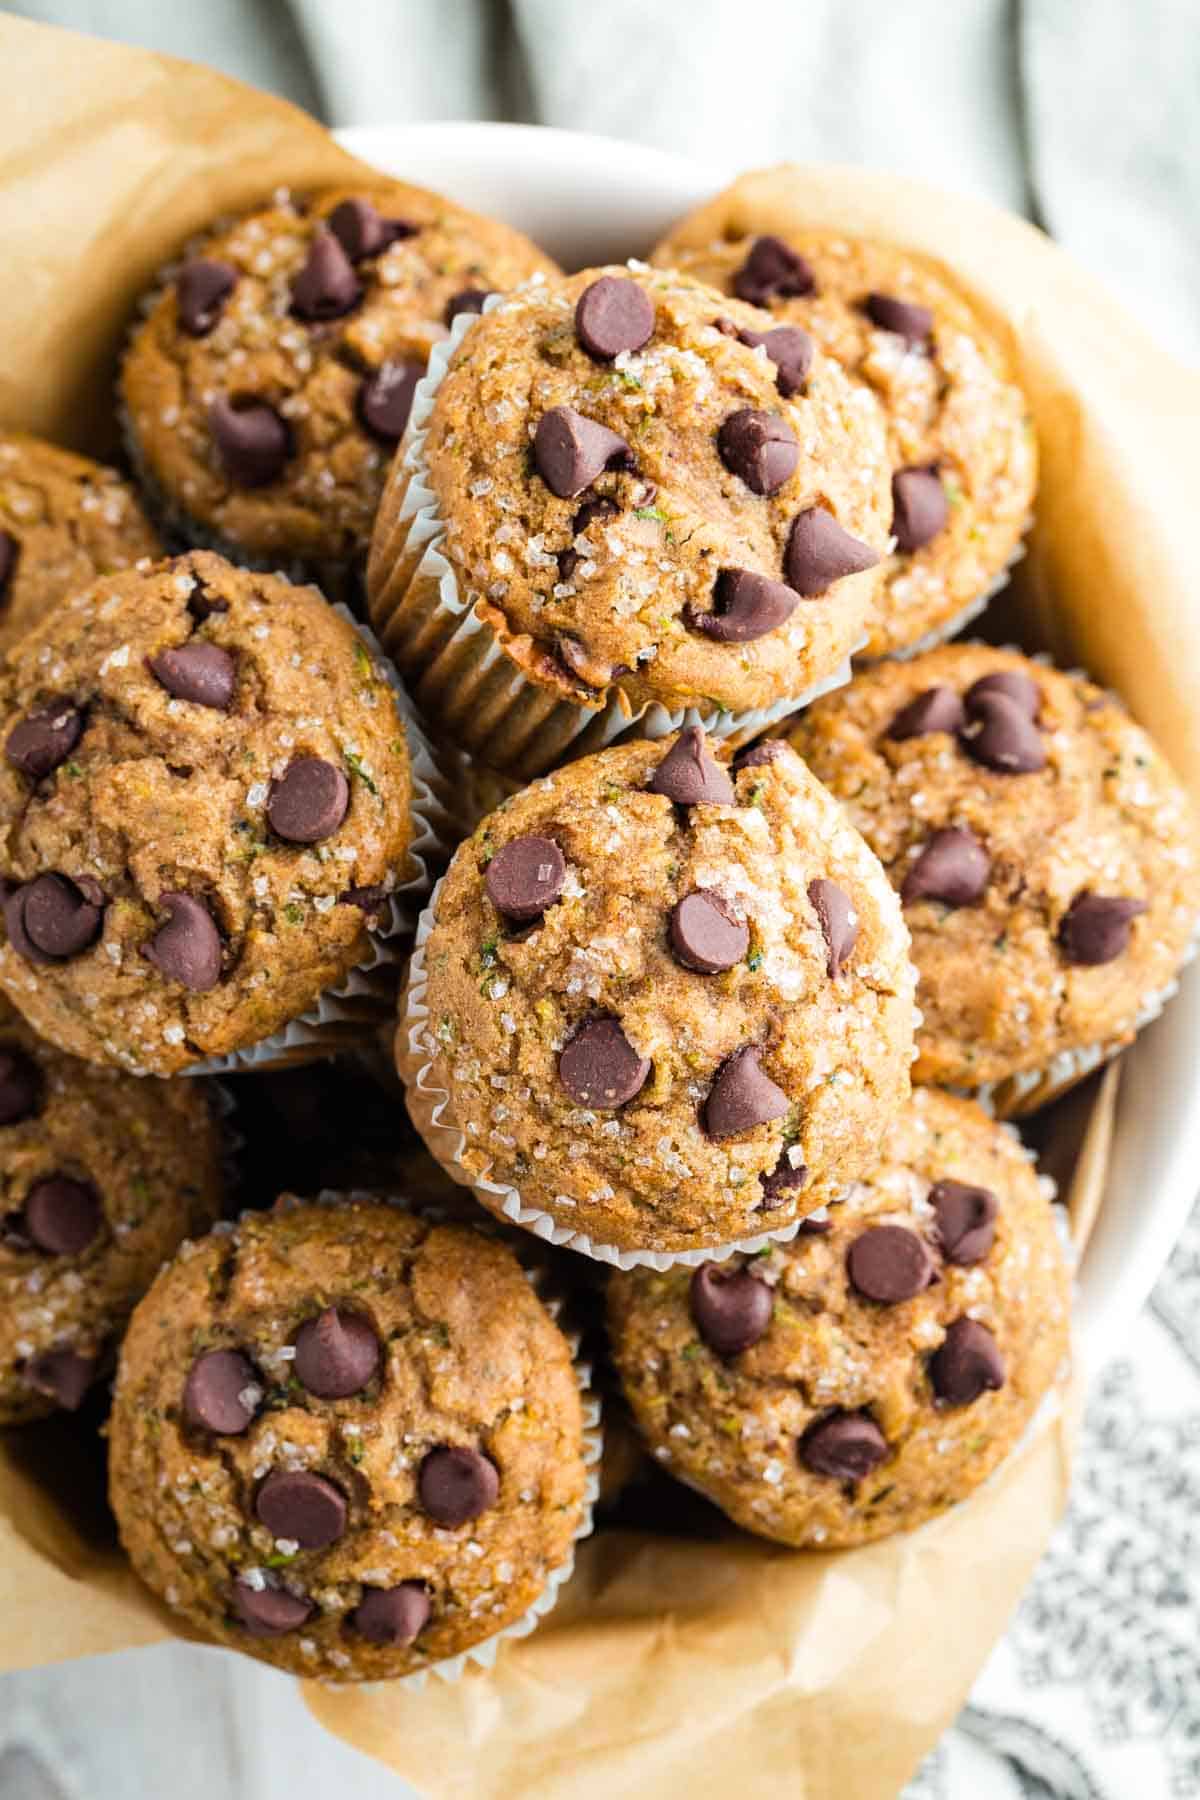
(202, 673)
(1014, 683)
(599, 1067)
(937, 709)
(395, 1616)
(819, 553)
(337, 1354)
(363, 231)
(888, 1264)
(919, 508)
(839, 922)
(967, 1361)
(844, 1445)
(782, 1184)
(62, 1375)
(326, 287)
(689, 776)
(62, 1216)
(269, 1611)
(367, 899)
(772, 271)
(467, 300)
(302, 1506)
(203, 605)
(904, 317)
(746, 606)
(219, 1394)
(790, 349)
(1002, 736)
(51, 918)
(10, 549)
(1096, 927)
(760, 755)
(953, 867)
(612, 315)
(385, 399)
(706, 934)
(309, 801)
(252, 440)
(570, 451)
(742, 1096)
(456, 1484)
(589, 513)
(525, 877)
(966, 1220)
(732, 1310)
(187, 948)
(202, 287)
(759, 448)
(20, 1087)
(44, 738)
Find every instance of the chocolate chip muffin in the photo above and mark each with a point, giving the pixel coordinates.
(660, 1004)
(960, 441)
(272, 375)
(613, 503)
(1046, 855)
(101, 1178)
(207, 799)
(64, 521)
(348, 1442)
(872, 1373)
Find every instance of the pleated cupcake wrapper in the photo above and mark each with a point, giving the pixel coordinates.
(463, 679)
(431, 1111)
(950, 628)
(347, 1013)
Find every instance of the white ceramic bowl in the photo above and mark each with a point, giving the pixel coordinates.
(592, 199)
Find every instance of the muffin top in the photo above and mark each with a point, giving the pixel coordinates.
(64, 521)
(671, 1002)
(101, 1177)
(637, 495)
(346, 1440)
(273, 375)
(857, 1381)
(960, 441)
(206, 796)
(1046, 854)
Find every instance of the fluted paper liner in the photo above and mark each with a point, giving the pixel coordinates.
(670, 1665)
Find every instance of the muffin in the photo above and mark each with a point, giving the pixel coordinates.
(102, 1177)
(208, 801)
(64, 522)
(1045, 853)
(611, 505)
(659, 1004)
(349, 1442)
(961, 448)
(865, 1377)
(272, 374)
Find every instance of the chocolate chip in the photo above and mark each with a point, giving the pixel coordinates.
(525, 877)
(51, 918)
(363, 231)
(904, 317)
(599, 1067)
(467, 300)
(966, 1220)
(782, 1184)
(1014, 684)
(269, 1611)
(326, 287)
(759, 448)
(62, 1375)
(62, 1216)
(612, 315)
(44, 738)
(1002, 736)
(689, 776)
(843, 1445)
(888, 1264)
(202, 673)
(395, 1616)
(20, 1087)
(305, 1507)
(937, 709)
(187, 948)
(742, 1096)
(761, 755)
(772, 271)
(456, 1485)
(706, 934)
(589, 513)
(202, 287)
(967, 1361)
(746, 606)
(1096, 927)
(337, 1354)
(385, 399)
(222, 1393)
(732, 1310)
(202, 605)
(953, 866)
(252, 440)
(790, 349)
(839, 922)
(819, 553)
(367, 899)
(309, 801)
(10, 549)
(570, 451)
(919, 508)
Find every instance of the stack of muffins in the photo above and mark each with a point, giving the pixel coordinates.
(760, 905)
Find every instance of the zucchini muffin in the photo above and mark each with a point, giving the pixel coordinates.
(1047, 857)
(64, 521)
(961, 448)
(611, 502)
(868, 1375)
(101, 1179)
(207, 799)
(348, 1442)
(272, 375)
(660, 1003)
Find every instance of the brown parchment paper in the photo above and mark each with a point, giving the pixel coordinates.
(672, 1665)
